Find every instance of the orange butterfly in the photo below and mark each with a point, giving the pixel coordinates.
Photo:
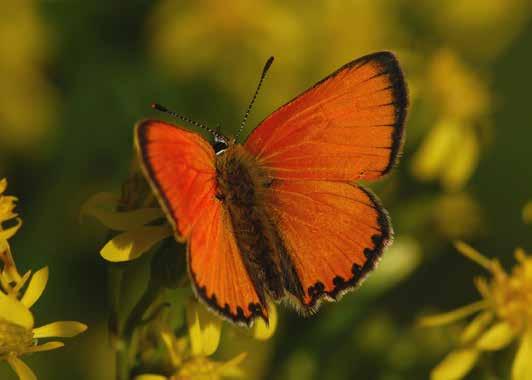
(280, 217)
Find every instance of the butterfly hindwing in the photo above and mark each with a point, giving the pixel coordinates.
(180, 166)
(334, 233)
(348, 126)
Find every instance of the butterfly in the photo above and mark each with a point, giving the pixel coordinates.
(280, 217)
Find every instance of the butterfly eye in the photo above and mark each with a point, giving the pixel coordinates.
(220, 145)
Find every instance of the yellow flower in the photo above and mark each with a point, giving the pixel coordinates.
(505, 316)
(137, 233)
(7, 206)
(189, 356)
(18, 335)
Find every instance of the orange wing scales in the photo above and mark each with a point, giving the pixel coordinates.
(347, 127)
(335, 234)
(180, 166)
(212, 248)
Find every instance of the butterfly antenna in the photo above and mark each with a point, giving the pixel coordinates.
(161, 108)
(262, 76)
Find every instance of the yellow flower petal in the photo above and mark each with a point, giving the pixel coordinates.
(527, 212)
(23, 371)
(474, 255)
(150, 377)
(452, 316)
(475, 327)
(35, 287)
(498, 336)
(435, 150)
(459, 167)
(169, 340)
(46, 346)
(3, 185)
(8, 233)
(12, 310)
(131, 244)
(10, 272)
(98, 201)
(263, 331)
(230, 368)
(522, 367)
(62, 329)
(204, 329)
(100, 206)
(194, 330)
(455, 365)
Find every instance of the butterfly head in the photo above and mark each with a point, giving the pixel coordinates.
(221, 143)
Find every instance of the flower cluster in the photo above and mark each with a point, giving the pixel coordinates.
(189, 356)
(505, 315)
(18, 293)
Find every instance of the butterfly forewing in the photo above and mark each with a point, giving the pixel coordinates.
(180, 166)
(349, 126)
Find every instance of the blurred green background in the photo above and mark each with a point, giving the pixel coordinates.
(76, 76)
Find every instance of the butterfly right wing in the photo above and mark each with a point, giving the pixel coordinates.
(180, 167)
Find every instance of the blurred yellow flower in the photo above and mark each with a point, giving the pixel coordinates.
(437, 157)
(462, 101)
(505, 316)
(230, 45)
(527, 212)
(227, 36)
(24, 51)
(137, 231)
(456, 90)
(18, 336)
(457, 215)
(465, 23)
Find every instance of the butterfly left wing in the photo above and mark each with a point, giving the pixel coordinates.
(334, 233)
(179, 165)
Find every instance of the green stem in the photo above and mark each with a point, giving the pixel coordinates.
(135, 318)
(148, 297)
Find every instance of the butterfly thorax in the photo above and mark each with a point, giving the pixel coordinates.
(243, 187)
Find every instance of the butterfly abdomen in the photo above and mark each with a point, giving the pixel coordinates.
(243, 187)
